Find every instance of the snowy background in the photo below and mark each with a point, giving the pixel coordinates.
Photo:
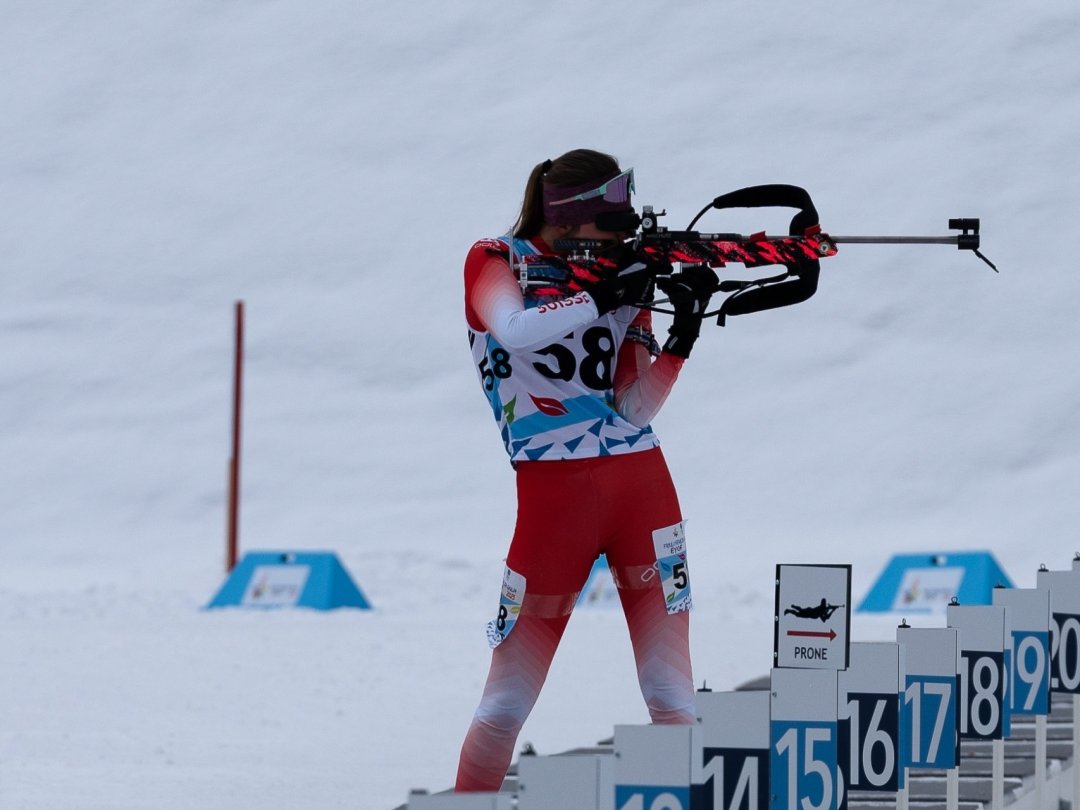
(330, 163)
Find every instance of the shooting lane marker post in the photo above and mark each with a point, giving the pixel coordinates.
(652, 767)
(930, 709)
(729, 749)
(868, 711)
(232, 535)
(984, 637)
(1028, 691)
(1064, 587)
(804, 769)
(811, 635)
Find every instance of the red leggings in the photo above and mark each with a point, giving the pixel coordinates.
(570, 512)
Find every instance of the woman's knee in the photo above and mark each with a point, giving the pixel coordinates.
(505, 711)
(669, 698)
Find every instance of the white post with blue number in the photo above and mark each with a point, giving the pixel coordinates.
(730, 751)
(1064, 588)
(582, 781)
(929, 713)
(461, 801)
(984, 632)
(1028, 691)
(652, 767)
(868, 706)
(803, 769)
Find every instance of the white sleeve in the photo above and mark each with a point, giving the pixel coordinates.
(496, 299)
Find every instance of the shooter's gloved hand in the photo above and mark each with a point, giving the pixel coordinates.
(689, 293)
(626, 279)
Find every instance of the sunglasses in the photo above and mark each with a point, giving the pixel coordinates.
(616, 190)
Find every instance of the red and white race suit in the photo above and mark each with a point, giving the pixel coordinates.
(573, 394)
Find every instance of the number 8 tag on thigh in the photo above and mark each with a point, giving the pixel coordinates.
(510, 599)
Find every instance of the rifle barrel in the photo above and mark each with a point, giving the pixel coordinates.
(895, 240)
(851, 240)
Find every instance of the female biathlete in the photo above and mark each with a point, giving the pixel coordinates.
(573, 376)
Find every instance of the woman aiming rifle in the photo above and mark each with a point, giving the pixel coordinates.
(573, 376)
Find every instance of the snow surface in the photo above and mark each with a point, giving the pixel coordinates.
(330, 163)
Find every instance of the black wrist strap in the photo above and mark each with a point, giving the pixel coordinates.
(682, 335)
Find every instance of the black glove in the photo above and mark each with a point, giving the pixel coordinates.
(627, 279)
(689, 293)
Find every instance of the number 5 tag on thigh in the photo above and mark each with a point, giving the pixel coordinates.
(513, 593)
(670, 546)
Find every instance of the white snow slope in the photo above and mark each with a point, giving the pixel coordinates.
(330, 163)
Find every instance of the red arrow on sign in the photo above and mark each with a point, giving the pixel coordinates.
(813, 633)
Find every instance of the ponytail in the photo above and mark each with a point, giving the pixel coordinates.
(531, 218)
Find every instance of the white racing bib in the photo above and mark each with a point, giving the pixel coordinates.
(670, 545)
(510, 599)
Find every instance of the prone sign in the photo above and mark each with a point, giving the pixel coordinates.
(812, 616)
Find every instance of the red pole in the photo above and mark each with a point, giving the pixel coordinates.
(234, 462)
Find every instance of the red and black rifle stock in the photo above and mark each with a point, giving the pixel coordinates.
(799, 252)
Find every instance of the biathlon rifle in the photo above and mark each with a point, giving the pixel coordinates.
(799, 252)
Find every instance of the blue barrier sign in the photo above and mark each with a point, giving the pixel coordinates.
(927, 582)
(290, 579)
